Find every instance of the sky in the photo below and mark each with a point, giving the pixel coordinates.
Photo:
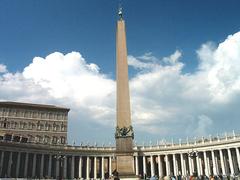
(183, 56)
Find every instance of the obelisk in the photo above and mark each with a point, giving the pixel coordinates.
(124, 131)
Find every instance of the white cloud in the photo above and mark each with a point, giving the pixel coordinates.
(70, 76)
(65, 80)
(165, 100)
(174, 58)
(149, 62)
(204, 125)
(3, 68)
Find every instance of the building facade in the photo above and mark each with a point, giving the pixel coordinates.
(33, 123)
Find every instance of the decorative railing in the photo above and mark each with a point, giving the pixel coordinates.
(160, 145)
(188, 143)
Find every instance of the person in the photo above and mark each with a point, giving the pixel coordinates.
(115, 175)
(153, 178)
(145, 176)
(179, 177)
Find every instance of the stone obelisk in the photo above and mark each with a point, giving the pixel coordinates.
(124, 131)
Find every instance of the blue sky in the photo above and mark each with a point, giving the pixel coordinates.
(155, 29)
(37, 28)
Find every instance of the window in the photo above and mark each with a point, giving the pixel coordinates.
(41, 127)
(43, 115)
(39, 139)
(21, 125)
(29, 125)
(17, 112)
(54, 126)
(54, 139)
(24, 125)
(38, 125)
(34, 114)
(57, 127)
(46, 139)
(5, 123)
(30, 138)
(62, 140)
(46, 126)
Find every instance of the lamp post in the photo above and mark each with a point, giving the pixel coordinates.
(193, 154)
(59, 157)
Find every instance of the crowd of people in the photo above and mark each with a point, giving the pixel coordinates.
(219, 177)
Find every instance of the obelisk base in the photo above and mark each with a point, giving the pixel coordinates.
(125, 167)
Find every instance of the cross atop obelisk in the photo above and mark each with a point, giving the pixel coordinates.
(124, 131)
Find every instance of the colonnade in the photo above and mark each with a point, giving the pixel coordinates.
(38, 165)
(147, 164)
(205, 163)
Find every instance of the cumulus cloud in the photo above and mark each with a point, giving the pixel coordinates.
(168, 101)
(3, 68)
(222, 67)
(65, 80)
(165, 100)
(149, 62)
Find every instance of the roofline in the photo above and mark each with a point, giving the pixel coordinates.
(31, 105)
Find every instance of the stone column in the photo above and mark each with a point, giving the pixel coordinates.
(160, 168)
(26, 165)
(136, 165)
(209, 166)
(230, 161)
(87, 168)
(152, 166)
(18, 164)
(201, 165)
(72, 167)
(167, 165)
(34, 165)
(95, 167)
(9, 165)
(198, 166)
(102, 168)
(50, 166)
(238, 157)
(175, 169)
(217, 165)
(222, 162)
(206, 170)
(235, 163)
(214, 163)
(42, 165)
(1, 163)
(65, 167)
(190, 166)
(110, 166)
(80, 167)
(144, 166)
(57, 168)
(183, 167)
